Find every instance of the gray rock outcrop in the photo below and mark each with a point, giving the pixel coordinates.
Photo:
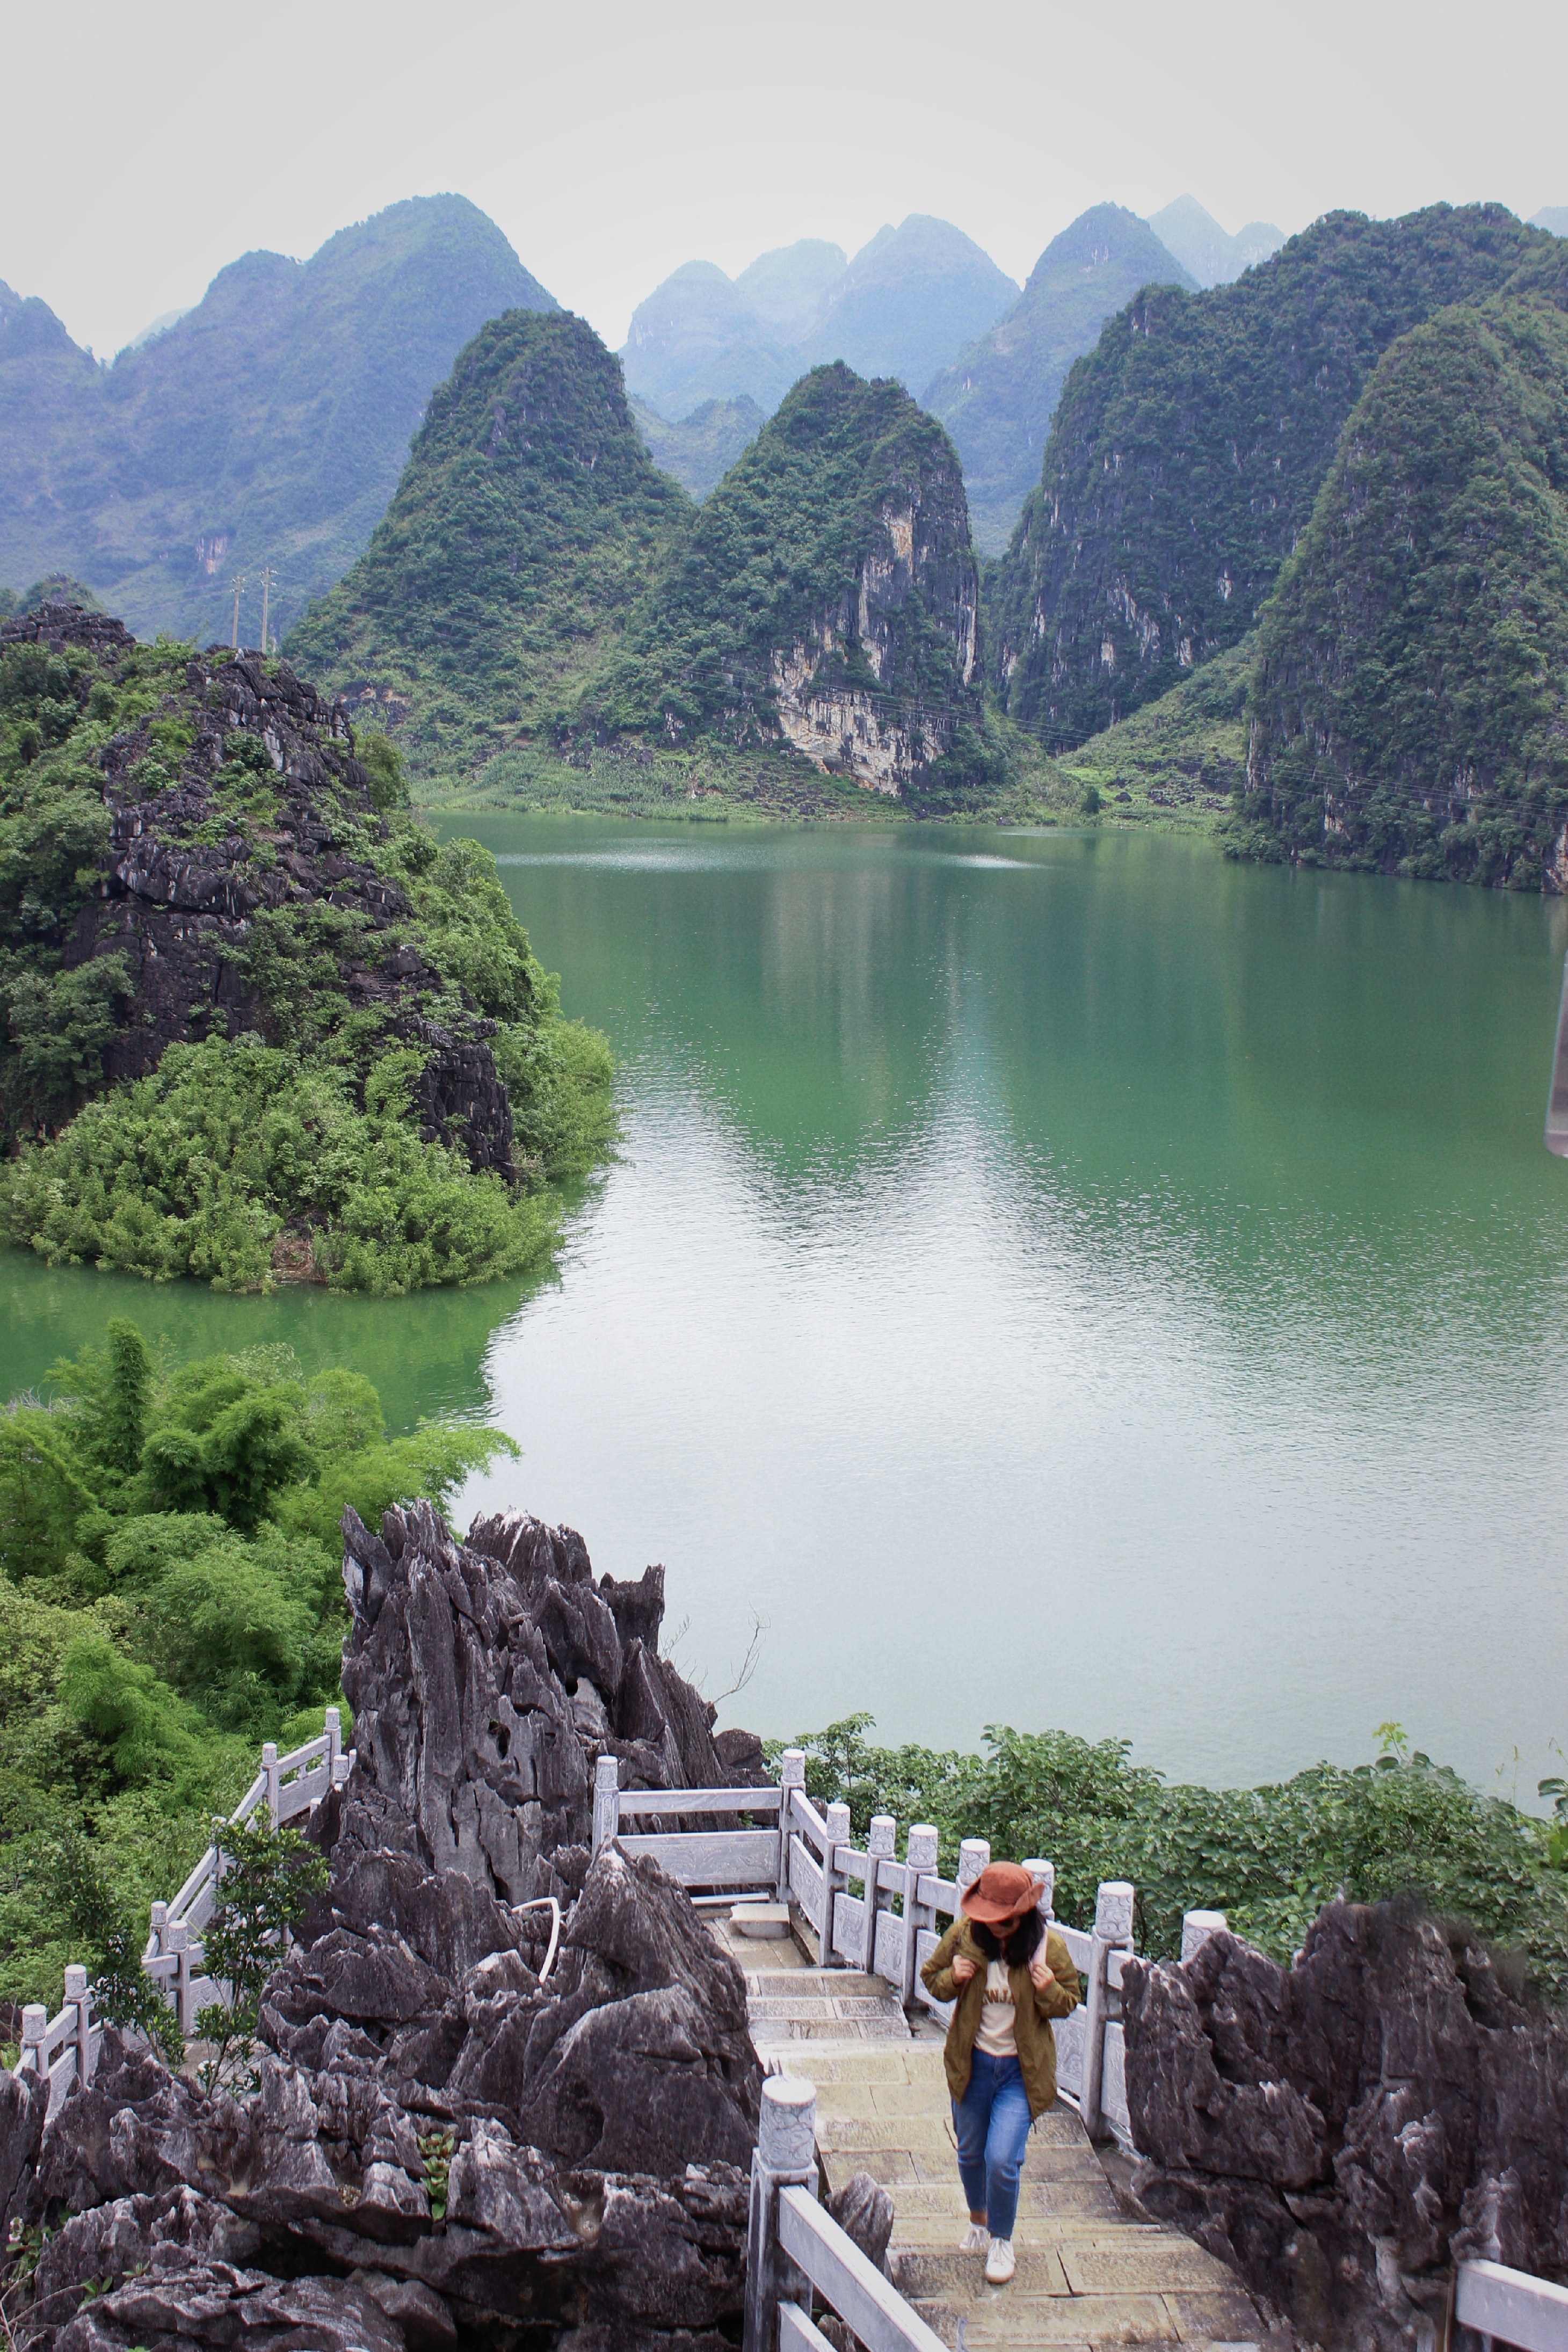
(439, 2142)
(1343, 2131)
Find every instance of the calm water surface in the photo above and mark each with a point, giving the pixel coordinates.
(1047, 1279)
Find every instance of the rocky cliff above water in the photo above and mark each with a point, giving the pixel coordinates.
(599, 2123)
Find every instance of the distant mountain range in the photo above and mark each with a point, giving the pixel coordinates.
(908, 301)
(267, 427)
(1201, 246)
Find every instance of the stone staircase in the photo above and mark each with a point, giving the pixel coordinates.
(1089, 2275)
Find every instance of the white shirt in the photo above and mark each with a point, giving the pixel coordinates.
(994, 2034)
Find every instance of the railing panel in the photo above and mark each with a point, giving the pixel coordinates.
(1511, 2307)
(314, 1751)
(869, 2305)
(1113, 2107)
(805, 1881)
(888, 1956)
(698, 1800)
(714, 1857)
(939, 1894)
(1070, 2033)
(849, 1926)
(298, 1796)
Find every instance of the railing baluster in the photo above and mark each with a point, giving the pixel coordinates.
(920, 1861)
(606, 1802)
(833, 1883)
(792, 1776)
(784, 2155)
(1112, 1932)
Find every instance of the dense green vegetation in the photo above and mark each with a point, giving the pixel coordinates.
(1188, 450)
(1269, 1858)
(528, 521)
(1180, 760)
(267, 427)
(1411, 696)
(999, 395)
(296, 1149)
(170, 1596)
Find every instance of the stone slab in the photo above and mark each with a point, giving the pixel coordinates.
(1227, 2317)
(1147, 2269)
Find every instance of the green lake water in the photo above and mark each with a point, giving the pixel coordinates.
(1046, 1278)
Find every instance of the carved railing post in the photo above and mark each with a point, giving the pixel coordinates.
(1197, 1927)
(920, 1861)
(1112, 1932)
(79, 1998)
(270, 1774)
(834, 1881)
(606, 1802)
(1045, 1872)
(792, 1776)
(881, 1845)
(784, 2156)
(334, 1729)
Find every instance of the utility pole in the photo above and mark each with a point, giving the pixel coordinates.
(234, 633)
(266, 584)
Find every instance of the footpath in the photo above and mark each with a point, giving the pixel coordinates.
(1089, 2275)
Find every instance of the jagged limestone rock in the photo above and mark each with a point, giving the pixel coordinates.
(1342, 2131)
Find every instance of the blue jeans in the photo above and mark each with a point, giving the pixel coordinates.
(992, 2121)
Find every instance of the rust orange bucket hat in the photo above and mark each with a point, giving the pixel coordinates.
(1002, 1891)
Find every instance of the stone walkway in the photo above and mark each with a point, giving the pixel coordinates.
(1089, 2275)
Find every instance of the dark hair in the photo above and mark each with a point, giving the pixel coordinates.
(1021, 1945)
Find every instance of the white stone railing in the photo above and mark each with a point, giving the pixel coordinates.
(890, 1927)
(1504, 2306)
(66, 2047)
(286, 1785)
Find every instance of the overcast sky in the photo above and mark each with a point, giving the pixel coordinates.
(145, 147)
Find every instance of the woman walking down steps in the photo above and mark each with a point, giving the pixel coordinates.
(1008, 1975)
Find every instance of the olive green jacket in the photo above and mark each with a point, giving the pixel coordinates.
(1032, 2012)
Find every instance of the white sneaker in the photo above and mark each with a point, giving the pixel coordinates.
(1000, 2263)
(974, 2240)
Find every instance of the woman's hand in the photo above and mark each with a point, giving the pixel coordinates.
(962, 1968)
(1041, 1973)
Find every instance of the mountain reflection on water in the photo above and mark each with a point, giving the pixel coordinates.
(1049, 1279)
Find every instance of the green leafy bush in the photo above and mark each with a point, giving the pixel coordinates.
(268, 1877)
(1269, 1857)
(196, 1168)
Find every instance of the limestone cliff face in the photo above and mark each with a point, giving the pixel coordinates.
(917, 573)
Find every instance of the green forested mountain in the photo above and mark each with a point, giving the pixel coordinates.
(999, 395)
(529, 519)
(1410, 702)
(539, 586)
(268, 425)
(702, 447)
(1199, 243)
(826, 591)
(1188, 449)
